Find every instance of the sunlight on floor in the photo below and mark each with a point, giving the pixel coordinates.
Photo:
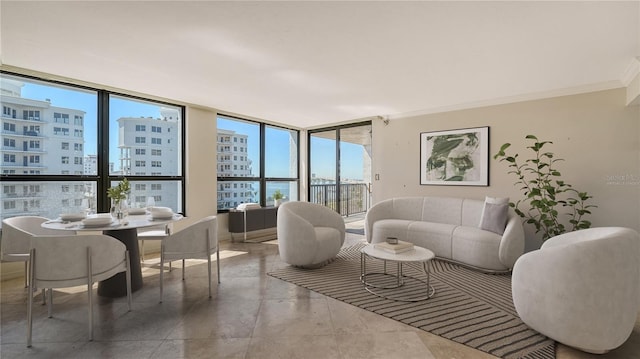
(151, 267)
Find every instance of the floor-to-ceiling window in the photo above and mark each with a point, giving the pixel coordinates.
(64, 145)
(145, 146)
(340, 167)
(255, 160)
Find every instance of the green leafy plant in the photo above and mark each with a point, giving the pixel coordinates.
(277, 195)
(119, 192)
(545, 193)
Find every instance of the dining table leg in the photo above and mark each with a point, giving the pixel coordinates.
(116, 286)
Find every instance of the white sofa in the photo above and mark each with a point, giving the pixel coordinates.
(450, 228)
(581, 288)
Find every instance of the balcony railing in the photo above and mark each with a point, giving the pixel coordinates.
(354, 197)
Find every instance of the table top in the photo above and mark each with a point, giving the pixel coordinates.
(129, 222)
(418, 254)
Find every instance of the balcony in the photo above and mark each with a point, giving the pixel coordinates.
(22, 119)
(354, 197)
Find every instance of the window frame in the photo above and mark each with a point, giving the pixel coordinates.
(103, 178)
(261, 178)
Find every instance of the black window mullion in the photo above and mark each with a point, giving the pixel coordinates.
(104, 182)
(263, 181)
(338, 196)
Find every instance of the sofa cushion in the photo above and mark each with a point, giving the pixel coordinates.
(433, 236)
(477, 247)
(442, 210)
(494, 214)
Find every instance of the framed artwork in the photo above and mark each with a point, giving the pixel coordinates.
(455, 157)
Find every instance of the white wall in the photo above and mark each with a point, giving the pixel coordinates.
(596, 133)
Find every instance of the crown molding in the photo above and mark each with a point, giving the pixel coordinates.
(601, 86)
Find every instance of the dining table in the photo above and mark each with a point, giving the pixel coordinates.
(126, 231)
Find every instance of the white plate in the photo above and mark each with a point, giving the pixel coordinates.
(72, 216)
(97, 221)
(135, 211)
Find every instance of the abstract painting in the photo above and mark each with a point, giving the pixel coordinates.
(455, 157)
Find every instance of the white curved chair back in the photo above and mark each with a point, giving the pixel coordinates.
(16, 239)
(61, 261)
(310, 235)
(17, 233)
(581, 288)
(197, 241)
(154, 233)
(316, 214)
(73, 260)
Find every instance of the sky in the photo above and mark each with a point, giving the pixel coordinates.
(323, 151)
(87, 102)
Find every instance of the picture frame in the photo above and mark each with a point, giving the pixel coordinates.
(455, 157)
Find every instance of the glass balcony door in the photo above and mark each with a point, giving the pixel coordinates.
(340, 168)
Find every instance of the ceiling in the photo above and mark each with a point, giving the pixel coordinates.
(308, 64)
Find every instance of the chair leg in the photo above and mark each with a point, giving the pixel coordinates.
(90, 292)
(142, 249)
(26, 274)
(44, 296)
(50, 303)
(218, 263)
(209, 270)
(128, 275)
(183, 269)
(161, 269)
(30, 297)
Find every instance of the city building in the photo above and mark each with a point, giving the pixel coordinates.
(147, 147)
(233, 161)
(39, 138)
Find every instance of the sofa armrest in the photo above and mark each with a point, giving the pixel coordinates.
(512, 242)
(380, 210)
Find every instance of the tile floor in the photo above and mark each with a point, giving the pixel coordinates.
(251, 315)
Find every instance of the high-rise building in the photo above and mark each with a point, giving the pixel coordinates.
(39, 138)
(148, 147)
(233, 161)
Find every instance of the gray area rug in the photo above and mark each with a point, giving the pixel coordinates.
(469, 307)
(355, 231)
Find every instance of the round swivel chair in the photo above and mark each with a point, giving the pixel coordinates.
(309, 235)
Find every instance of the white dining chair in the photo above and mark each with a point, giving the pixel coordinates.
(73, 260)
(155, 233)
(16, 239)
(196, 241)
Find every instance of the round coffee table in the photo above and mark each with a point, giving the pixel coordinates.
(397, 280)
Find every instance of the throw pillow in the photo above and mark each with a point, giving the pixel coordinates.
(494, 214)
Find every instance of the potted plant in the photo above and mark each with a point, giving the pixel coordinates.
(277, 197)
(545, 194)
(118, 195)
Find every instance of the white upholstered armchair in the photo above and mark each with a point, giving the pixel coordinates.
(581, 288)
(309, 235)
(74, 260)
(15, 242)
